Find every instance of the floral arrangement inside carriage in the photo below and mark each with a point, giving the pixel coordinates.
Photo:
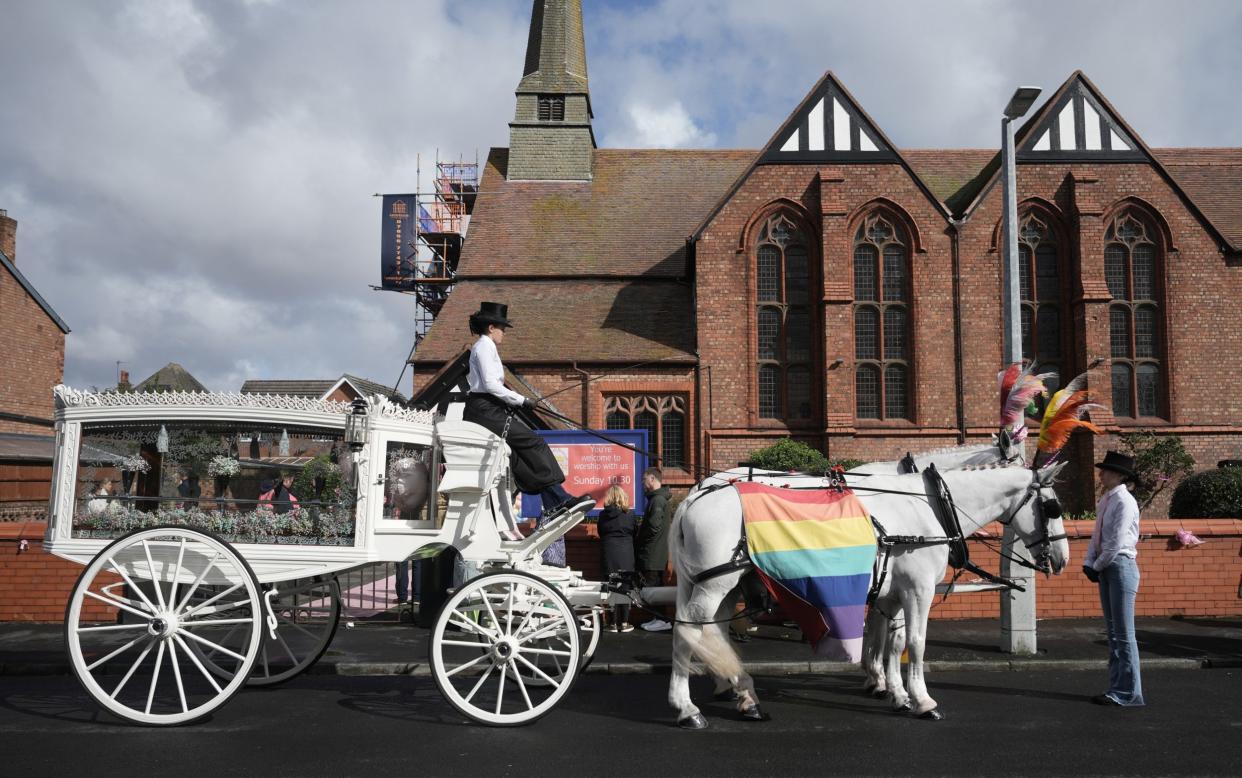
(246, 482)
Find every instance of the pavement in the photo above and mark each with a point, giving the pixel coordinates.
(361, 648)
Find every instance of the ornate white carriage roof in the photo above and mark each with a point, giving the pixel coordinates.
(68, 397)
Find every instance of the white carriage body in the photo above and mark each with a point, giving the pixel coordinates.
(474, 513)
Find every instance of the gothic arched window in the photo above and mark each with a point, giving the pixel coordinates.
(1040, 281)
(882, 326)
(663, 416)
(1132, 267)
(783, 321)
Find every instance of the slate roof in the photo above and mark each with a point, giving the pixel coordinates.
(952, 175)
(632, 219)
(315, 387)
(566, 320)
(34, 293)
(1213, 180)
(170, 377)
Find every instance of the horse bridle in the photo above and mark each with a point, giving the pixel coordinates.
(1041, 548)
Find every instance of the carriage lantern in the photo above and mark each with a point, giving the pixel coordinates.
(356, 425)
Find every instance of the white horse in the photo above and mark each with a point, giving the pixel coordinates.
(881, 633)
(707, 528)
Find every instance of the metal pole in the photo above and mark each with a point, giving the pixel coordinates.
(1017, 608)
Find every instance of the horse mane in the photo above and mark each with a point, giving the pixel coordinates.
(955, 449)
(991, 466)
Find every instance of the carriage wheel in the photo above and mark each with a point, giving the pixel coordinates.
(145, 667)
(494, 633)
(552, 664)
(307, 614)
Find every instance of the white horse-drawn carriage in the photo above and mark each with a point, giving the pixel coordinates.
(187, 596)
(191, 592)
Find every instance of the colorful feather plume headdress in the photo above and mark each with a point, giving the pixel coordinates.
(1018, 389)
(1064, 415)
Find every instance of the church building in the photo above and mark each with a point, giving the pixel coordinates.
(836, 288)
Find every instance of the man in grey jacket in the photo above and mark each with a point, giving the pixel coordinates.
(651, 542)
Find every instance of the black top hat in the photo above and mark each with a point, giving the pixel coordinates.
(492, 313)
(1119, 463)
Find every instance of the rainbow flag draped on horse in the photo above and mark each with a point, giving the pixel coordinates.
(815, 551)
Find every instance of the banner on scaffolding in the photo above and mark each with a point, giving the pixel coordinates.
(592, 465)
(398, 251)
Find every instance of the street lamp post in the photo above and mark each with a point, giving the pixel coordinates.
(1017, 608)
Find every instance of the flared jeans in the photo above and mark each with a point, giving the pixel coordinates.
(1118, 588)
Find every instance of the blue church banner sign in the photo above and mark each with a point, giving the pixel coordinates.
(397, 249)
(591, 465)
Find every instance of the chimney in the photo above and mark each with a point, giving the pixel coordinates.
(8, 236)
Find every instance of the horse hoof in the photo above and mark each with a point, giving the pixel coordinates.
(728, 695)
(932, 715)
(878, 692)
(693, 722)
(906, 708)
(753, 713)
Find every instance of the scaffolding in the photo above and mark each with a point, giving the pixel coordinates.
(441, 218)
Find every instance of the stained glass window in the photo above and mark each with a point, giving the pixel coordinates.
(881, 319)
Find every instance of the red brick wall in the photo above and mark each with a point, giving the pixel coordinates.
(24, 482)
(1202, 291)
(1199, 581)
(32, 350)
(34, 585)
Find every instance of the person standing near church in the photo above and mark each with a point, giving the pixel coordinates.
(651, 542)
(1112, 563)
(492, 405)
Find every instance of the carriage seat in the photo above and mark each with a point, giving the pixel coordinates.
(475, 459)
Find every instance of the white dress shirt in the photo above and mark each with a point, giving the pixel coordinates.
(487, 374)
(1116, 531)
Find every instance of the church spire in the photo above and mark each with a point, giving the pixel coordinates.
(550, 137)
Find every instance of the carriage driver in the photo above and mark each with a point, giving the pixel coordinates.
(490, 403)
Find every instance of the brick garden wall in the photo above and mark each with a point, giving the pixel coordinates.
(35, 585)
(1199, 581)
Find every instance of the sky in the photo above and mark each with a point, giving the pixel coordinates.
(193, 181)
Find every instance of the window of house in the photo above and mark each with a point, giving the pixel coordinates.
(1040, 282)
(1131, 270)
(663, 416)
(784, 323)
(882, 324)
(551, 108)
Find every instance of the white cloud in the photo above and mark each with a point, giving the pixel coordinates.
(192, 179)
(666, 126)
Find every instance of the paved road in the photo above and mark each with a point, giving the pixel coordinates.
(1033, 723)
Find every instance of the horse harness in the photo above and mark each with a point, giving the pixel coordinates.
(943, 507)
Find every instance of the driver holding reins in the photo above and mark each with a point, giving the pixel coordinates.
(492, 405)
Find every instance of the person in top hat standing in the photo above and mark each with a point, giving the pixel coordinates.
(491, 404)
(1112, 563)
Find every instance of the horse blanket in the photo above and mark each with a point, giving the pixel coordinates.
(815, 552)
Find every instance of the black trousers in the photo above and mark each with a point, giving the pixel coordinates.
(533, 465)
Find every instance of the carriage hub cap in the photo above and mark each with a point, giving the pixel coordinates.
(162, 626)
(504, 650)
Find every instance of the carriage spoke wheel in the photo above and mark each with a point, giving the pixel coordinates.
(307, 614)
(495, 633)
(552, 664)
(146, 666)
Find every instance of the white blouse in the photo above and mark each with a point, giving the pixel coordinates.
(487, 374)
(1116, 531)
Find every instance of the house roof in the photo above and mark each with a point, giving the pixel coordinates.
(17, 446)
(1213, 179)
(34, 293)
(170, 377)
(315, 387)
(631, 219)
(952, 175)
(567, 320)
